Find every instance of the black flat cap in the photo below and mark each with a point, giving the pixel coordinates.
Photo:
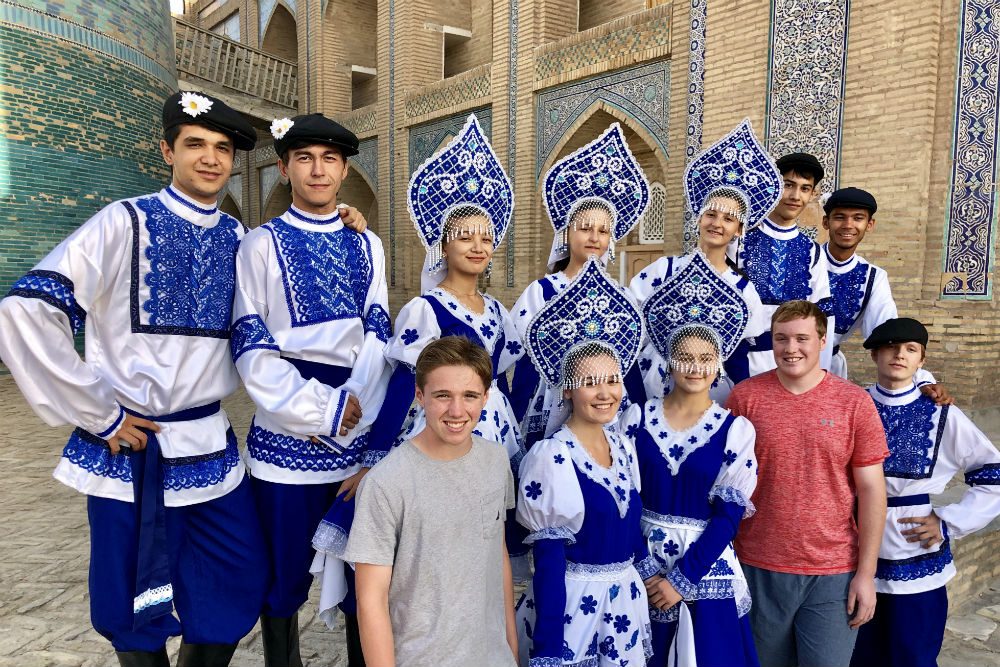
(897, 330)
(805, 160)
(851, 198)
(184, 108)
(314, 128)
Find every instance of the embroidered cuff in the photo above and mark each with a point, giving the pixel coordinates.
(545, 662)
(730, 494)
(681, 583)
(330, 539)
(554, 533)
(987, 474)
(54, 289)
(647, 567)
(115, 425)
(250, 333)
(338, 411)
(371, 457)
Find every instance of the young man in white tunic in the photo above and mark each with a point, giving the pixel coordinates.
(928, 445)
(310, 325)
(172, 520)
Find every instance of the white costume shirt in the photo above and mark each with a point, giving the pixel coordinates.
(154, 286)
(928, 444)
(309, 289)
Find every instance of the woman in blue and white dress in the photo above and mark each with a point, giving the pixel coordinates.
(698, 469)
(586, 604)
(594, 197)
(460, 201)
(730, 188)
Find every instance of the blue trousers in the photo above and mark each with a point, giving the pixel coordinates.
(290, 514)
(906, 631)
(800, 619)
(218, 569)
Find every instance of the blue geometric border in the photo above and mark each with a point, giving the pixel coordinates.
(366, 161)
(642, 93)
(972, 201)
(800, 95)
(511, 125)
(695, 101)
(392, 143)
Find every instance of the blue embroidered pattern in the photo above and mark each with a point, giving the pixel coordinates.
(186, 472)
(377, 321)
(54, 289)
(986, 474)
(291, 453)
(848, 292)
(778, 268)
(250, 333)
(192, 273)
(916, 567)
(551, 533)
(326, 274)
(912, 451)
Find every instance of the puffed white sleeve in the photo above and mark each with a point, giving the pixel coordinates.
(549, 499)
(51, 303)
(977, 456)
(629, 423)
(644, 282)
(759, 321)
(881, 306)
(819, 277)
(513, 346)
(529, 303)
(370, 373)
(416, 328)
(737, 478)
(297, 405)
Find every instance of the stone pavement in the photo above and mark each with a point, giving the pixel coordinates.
(44, 617)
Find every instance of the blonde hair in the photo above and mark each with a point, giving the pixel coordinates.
(454, 351)
(800, 310)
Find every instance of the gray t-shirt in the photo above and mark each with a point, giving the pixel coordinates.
(439, 524)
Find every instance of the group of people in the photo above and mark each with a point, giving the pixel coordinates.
(679, 470)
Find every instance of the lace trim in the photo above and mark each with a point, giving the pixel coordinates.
(647, 567)
(681, 583)
(552, 533)
(597, 572)
(291, 453)
(743, 606)
(54, 289)
(915, 567)
(152, 597)
(671, 520)
(986, 474)
(371, 457)
(377, 321)
(730, 494)
(330, 539)
(616, 480)
(677, 446)
(250, 333)
(545, 662)
(706, 589)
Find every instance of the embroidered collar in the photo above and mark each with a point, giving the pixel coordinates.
(330, 219)
(185, 207)
(775, 230)
(894, 396)
(617, 479)
(559, 280)
(677, 446)
(837, 266)
(488, 325)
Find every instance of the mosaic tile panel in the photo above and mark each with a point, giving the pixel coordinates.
(628, 40)
(367, 160)
(361, 123)
(464, 90)
(972, 205)
(426, 138)
(695, 102)
(642, 92)
(511, 124)
(391, 213)
(805, 88)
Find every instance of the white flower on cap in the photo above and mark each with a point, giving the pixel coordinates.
(280, 127)
(194, 104)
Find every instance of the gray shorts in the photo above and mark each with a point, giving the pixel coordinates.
(800, 619)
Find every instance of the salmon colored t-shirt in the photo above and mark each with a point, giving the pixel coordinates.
(806, 446)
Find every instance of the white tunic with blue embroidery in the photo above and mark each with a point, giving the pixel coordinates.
(654, 368)
(784, 265)
(928, 445)
(587, 604)
(152, 278)
(310, 290)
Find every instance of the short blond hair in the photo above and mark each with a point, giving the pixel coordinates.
(800, 310)
(454, 351)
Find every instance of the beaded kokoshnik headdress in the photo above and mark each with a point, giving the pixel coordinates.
(462, 180)
(593, 313)
(601, 175)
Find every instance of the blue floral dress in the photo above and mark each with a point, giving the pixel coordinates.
(586, 604)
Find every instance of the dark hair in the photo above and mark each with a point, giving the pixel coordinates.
(802, 171)
(454, 351)
(304, 143)
(171, 133)
(561, 264)
(800, 310)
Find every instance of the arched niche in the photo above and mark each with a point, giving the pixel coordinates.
(280, 37)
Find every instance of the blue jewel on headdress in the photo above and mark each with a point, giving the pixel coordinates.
(466, 172)
(593, 308)
(607, 163)
(737, 161)
(696, 295)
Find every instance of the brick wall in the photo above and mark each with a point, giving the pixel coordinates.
(595, 12)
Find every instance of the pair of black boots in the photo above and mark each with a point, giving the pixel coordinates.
(281, 641)
(191, 655)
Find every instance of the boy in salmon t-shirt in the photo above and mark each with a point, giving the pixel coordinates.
(820, 443)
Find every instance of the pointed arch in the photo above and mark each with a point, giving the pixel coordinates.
(280, 37)
(277, 202)
(356, 190)
(230, 206)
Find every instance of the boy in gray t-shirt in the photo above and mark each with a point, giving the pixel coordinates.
(433, 578)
